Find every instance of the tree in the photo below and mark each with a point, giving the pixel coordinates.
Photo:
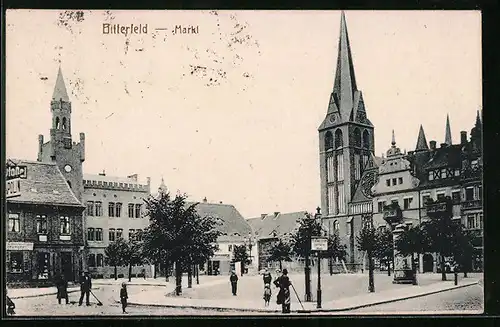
(280, 251)
(335, 250)
(367, 241)
(385, 248)
(464, 249)
(132, 255)
(178, 234)
(115, 254)
(240, 254)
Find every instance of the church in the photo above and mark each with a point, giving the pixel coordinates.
(357, 186)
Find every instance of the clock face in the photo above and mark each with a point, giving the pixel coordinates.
(67, 168)
(332, 118)
(367, 183)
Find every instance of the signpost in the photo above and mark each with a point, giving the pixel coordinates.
(319, 244)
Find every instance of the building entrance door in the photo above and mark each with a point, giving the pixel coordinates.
(66, 266)
(428, 263)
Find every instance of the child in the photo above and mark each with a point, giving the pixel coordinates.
(124, 296)
(267, 294)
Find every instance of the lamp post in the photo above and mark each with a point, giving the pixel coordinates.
(318, 304)
(307, 269)
(250, 245)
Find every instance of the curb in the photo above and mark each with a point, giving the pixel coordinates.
(45, 294)
(388, 301)
(192, 306)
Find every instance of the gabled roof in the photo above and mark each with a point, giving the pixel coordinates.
(44, 184)
(234, 226)
(449, 156)
(60, 88)
(281, 223)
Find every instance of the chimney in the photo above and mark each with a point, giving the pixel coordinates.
(463, 137)
(433, 145)
(40, 147)
(148, 180)
(263, 215)
(133, 177)
(82, 146)
(205, 200)
(444, 145)
(103, 173)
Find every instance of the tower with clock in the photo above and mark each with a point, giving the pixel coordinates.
(61, 149)
(346, 145)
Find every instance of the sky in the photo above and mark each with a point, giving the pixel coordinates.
(232, 113)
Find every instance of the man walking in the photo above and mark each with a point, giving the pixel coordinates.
(234, 282)
(283, 282)
(85, 287)
(62, 288)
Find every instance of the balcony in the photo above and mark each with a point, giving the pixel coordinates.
(393, 214)
(439, 207)
(472, 204)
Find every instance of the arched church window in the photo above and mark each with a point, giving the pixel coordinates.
(357, 137)
(328, 140)
(366, 139)
(64, 123)
(57, 122)
(339, 142)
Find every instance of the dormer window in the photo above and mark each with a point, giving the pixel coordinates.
(443, 173)
(431, 176)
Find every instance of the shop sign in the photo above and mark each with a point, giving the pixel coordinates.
(19, 246)
(13, 172)
(13, 188)
(319, 244)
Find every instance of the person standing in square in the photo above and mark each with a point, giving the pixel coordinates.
(234, 282)
(85, 287)
(124, 296)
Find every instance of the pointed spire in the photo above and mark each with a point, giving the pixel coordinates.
(162, 188)
(478, 120)
(393, 139)
(421, 141)
(447, 138)
(60, 88)
(345, 81)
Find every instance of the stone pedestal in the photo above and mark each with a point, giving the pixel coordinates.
(403, 273)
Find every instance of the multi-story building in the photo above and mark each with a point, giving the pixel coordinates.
(114, 209)
(44, 226)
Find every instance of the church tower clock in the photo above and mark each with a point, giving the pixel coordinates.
(346, 142)
(61, 149)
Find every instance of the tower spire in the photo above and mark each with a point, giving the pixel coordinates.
(162, 188)
(447, 138)
(60, 92)
(393, 139)
(478, 120)
(421, 141)
(345, 81)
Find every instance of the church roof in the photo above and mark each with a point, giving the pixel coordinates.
(60, 88)
(280, 223)
(44, 185)
(447, 137)
(421, 140)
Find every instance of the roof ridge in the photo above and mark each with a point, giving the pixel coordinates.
(33, 162)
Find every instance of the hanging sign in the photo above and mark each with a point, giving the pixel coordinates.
(319, 243)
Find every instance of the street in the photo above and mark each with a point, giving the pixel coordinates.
(467, 299)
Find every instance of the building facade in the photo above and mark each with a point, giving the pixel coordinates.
(114, 209)
(44, 226)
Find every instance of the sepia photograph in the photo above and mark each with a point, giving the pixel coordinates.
(243, 163)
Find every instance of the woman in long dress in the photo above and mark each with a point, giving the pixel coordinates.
(283, 282)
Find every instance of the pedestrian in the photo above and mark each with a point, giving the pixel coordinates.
(267, 294)
(124, 296)
(144, 273)
(85, 287)
(10, 304)
(283, 298)
(266, 277)
(62, 289)
(234, 282)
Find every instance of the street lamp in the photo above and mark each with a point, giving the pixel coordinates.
(250, 245)
(317, 217)
(307, 268)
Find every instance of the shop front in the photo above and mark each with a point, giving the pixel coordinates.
(219, 264)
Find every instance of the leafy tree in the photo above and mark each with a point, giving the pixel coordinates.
(464, 249)
(132, 255)
(280, 251)
(367, 241)
(240, 254)
(385, 248)
(178, 234)
(115, 253)
(335, 250)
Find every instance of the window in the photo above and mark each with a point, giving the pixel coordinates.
(400, 180)
(479, 192)
(481, 220)
(381, 205)
(131, 235)
(111, 209)
(100, 260)
(455, 196)
(119, 233)
(90, 234)
(474, 164)
(471, 221)
(98, 208)
(357, 137)
(443, 173)
(336, 225)
(131, 210)
(16, 262)
(43, 259)
(393, 181)
(431, 176)
(407, 203)
(138, 234)
(41, 224)
(328, 140)
(65, 227)
(366, 139)
(339, 142)
(457, 172)
(349, 224)
(394, 201)
(14, 222)
(118, 210)
(112, 235)
(388, 182)
(137, 211)
(230, 247)
(469, 194)
(90, 208)
(91, 260)
(98, 234)
(425, 198)
(440, 196)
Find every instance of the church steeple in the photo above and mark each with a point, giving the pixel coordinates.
(421, 141)
(447, 138)
(345, 82)
(162, 188)
(60, 92)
